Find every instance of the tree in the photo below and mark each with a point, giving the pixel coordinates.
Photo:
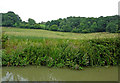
(69, 24)
(112, 27)
(31, 21)
(93, 27)
(82, 25)
(10, 19)
(66, 28)
(37, 26)
(75, 30)
(53, 28)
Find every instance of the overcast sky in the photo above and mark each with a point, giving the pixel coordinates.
(44, 10)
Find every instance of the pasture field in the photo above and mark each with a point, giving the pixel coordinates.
(37, 33)
(59, 49)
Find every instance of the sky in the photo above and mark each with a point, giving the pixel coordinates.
(46, 10)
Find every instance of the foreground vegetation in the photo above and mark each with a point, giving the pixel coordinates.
(47, 48)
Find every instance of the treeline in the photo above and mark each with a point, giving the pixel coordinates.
(69, 24)
(10, 19)
(85, 25)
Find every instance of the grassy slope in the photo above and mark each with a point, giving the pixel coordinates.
(35, 33)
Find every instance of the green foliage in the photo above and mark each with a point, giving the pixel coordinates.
(37, 26)
(86, 25)
(74, 54)
(66, 28)
(31, 21)
(4, 39)
(64, 49)
(10, 19)
(53, 28)
(75, 30)
(93, 27)
(69, 24)
(112, 27)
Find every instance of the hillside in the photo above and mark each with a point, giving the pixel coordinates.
(38, 33)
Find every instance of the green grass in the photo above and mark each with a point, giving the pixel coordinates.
(36, 34)
(60, 49)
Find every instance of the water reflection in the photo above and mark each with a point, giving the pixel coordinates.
(13, 77)
(33, 73)
(52, 77)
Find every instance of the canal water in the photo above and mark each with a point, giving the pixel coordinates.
(41, 73)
